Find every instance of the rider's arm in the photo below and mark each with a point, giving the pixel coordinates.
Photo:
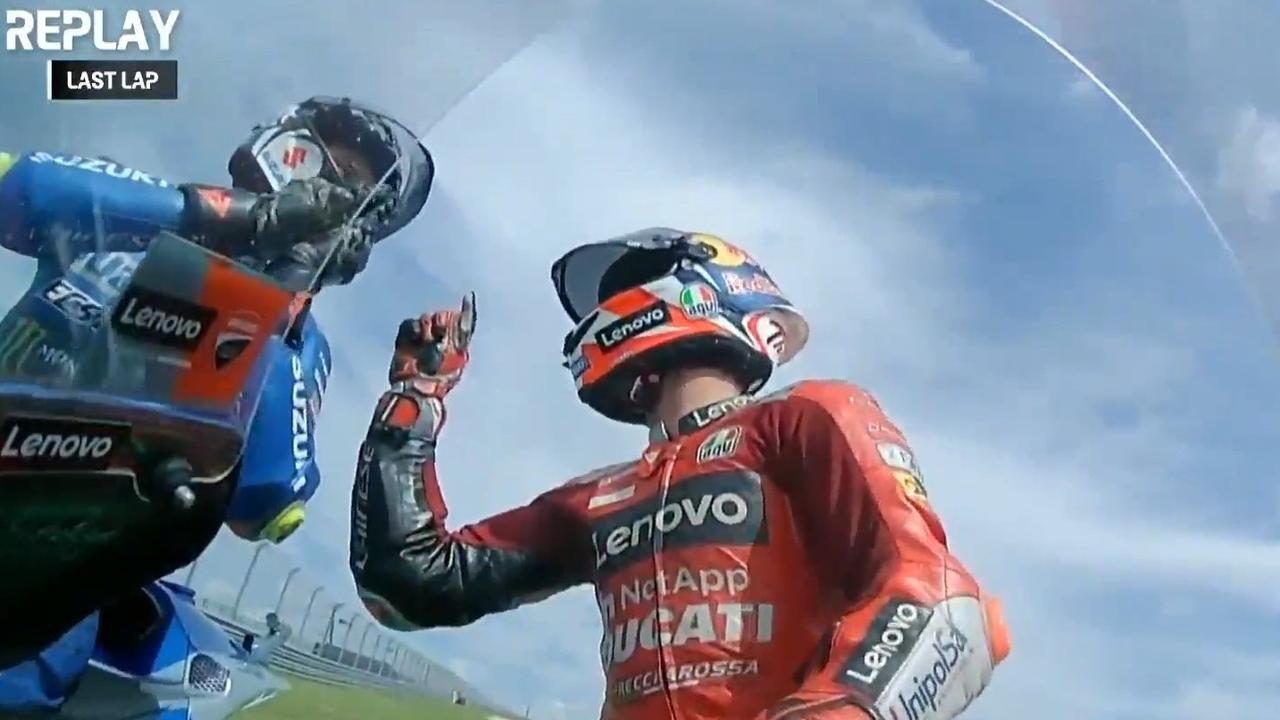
(413, 572)
(103, 206)
(860, 503)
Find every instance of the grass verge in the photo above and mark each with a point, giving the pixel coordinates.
(308, 700)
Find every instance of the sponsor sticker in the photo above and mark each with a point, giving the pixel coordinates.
(291, 155)
(24, 338)
(911, 485)
(718, 508)
(56, 357)
(77, 305)
(677, 676)
(100, 166)
(704, 416)
(929, 675)
(321, 378)
(241, 328)
(218, 200)
(299, 424)
(610, 498)
(948, 664)
(724, 254)
(882, 430)
(893, 634)
(767, 334)
(625, 328)
(579, 367)
(756, 283)
(40, 443)
(161, 319)
(701, 605)
(699, 301)
(108, 272)
(720, 444)
(898, 457)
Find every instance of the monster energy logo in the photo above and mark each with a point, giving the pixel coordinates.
(16, 347)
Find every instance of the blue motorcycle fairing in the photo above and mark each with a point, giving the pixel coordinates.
(193, 671)
(279, 467)
(98, 204)
(44, 682)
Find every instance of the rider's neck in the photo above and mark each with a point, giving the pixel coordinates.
(684, 391)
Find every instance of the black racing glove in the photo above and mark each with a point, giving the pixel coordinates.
(238, 222)
(334, 259)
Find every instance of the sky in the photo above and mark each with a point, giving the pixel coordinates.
(976, 233)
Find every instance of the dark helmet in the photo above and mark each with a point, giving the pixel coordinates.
(310, 139)
(659, 300)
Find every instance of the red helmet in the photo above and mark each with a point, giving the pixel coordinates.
(658, 300)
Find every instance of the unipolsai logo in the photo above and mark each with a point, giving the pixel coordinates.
(72, 30)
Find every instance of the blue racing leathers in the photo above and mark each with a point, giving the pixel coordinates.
(87, 222)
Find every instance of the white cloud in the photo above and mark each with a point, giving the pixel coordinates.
(1249, 163)
(1083, 89)
(896, 32)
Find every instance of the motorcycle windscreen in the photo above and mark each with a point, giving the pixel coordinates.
(110, 355)
(79, 354)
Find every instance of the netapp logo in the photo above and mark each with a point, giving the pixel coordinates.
(161, 319)
(60, 444)
(618, 331)
(725, 508)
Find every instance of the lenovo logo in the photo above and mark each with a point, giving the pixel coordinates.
(725, 508)
(624, 328)
(34, 443)
(161, 319)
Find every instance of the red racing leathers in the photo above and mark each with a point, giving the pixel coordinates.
(777, 558)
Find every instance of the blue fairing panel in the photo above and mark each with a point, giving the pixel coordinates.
(103, 205)
(46, 681)
(280, 457)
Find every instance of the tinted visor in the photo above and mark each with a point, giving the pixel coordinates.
(590, 274)
(399, 160)
(320, 136)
